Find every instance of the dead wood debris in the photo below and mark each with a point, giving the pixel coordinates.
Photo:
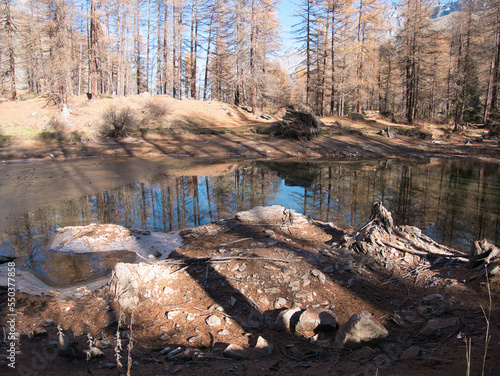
(405, 250)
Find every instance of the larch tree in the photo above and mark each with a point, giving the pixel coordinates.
(368, 24)
(94, 59)
(306, 34)
(493, 52)
(414, 41)
(9, 35)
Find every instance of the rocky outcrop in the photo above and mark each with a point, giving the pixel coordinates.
(109, 237)
(273, 215)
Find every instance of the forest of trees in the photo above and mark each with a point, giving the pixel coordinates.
(352, 58)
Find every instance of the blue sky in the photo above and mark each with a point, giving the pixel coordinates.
(286, 10)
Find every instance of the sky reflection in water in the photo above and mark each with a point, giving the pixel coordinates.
(454, 202)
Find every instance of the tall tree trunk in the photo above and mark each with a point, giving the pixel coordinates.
(158, 52)
(9, 27)
(166, 87)
(207, 60)
(147, 45)
(94, 64)
(193, 48)
(253, 37)
(137, 46)
(332, 57)
(496, 75)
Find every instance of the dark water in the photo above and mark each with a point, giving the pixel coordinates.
(453, 201)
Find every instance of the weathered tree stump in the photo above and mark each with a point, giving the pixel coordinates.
(395, 247)
(482, 255)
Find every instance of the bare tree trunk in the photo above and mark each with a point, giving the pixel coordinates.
(158, 53)
(10, 50)
(147, 45)
(137, 46)
(166, 87)
(94, 65)
(193, 48)
(332, 57)
(496, 75)
(207, 61)
(252, 57)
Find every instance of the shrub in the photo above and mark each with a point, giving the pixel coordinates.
(4, 140)
(118, 123)
(156, 108)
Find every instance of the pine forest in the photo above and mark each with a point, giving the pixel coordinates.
(351, 55)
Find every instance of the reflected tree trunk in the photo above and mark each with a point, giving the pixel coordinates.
(209, 199)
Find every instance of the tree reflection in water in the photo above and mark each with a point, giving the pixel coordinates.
(454, 202)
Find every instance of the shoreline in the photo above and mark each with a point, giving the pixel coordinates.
(338, 147)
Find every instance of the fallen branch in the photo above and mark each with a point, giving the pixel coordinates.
(423, 252)
(234, 241)
(220, 259)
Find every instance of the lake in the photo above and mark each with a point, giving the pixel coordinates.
(453, 201)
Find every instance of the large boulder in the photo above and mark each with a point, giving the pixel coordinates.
(298, 125)
(275, 215)
(98, 238)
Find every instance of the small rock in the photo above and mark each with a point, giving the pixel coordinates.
(312, 321)
(318, 274)
(213, 320)
(412, 352)
(288, 319)
(264, 300)
(365, 352)
(176, 369)
(94, 352)
(223, 332)
(294, 285)
(329, 269)
(361, 328)
(263, 346)
(433, 299)
(171, 315)
(280, 303)
(165, 350)
(174, 352)
(435, 326)
(272, 290)
(234, 352)
(164, 337)
(193, 338)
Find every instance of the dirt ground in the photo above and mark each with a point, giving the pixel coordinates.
(216, 130)
(226, 286)
(228, 282)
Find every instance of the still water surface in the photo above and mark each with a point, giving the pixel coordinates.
(453, 201)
